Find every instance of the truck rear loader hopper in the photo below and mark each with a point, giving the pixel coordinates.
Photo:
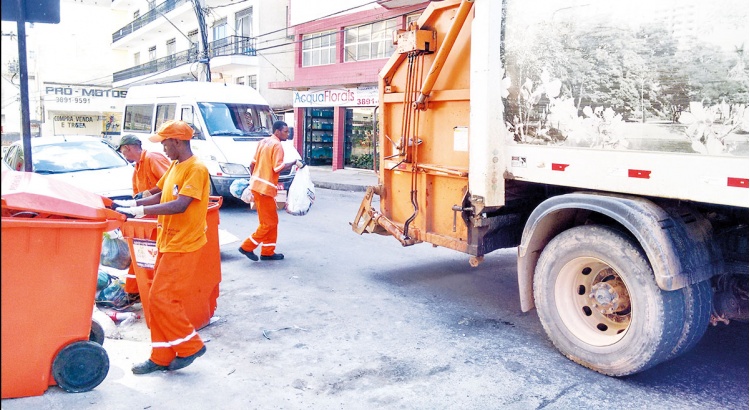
(632, 236)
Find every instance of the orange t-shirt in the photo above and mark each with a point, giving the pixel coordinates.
(269, 161)
(149, 170)
(185, 232)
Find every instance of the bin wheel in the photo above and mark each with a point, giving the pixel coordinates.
(80, 366)
(97, 333)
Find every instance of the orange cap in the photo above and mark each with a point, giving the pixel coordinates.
(179, 130)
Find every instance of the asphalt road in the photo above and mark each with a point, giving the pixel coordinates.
(359, 322)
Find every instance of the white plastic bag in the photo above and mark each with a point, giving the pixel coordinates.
(238, 187)
(301, 193)
(247, 196)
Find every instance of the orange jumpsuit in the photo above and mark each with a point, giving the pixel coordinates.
(179, 240)
(148, 170)
(269, 161)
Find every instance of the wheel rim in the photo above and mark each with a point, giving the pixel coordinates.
(593, 301)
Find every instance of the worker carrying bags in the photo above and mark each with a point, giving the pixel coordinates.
(301, 193)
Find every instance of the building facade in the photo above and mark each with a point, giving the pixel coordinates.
(69, 68)
(335, 88)
(240, 42)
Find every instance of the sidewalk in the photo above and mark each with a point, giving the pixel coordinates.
(348, 179)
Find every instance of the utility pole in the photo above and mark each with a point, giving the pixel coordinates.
(205, 56)
(24, 85)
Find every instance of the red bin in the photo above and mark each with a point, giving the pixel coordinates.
(141, 236)
(51, 244)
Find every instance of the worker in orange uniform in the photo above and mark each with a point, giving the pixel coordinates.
(181, 203)
(265, 168)
(149, 168)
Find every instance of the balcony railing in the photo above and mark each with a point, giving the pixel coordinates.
(157, 66)
(150, 16)
(226, 46)
(232, 45)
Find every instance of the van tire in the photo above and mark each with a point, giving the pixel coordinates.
(599, 303)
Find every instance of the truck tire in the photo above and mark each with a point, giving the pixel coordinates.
(599, 303)
(698, 299)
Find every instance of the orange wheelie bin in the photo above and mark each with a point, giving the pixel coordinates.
(51, 243)
(141, 236)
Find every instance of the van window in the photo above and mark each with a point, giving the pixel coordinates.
(226, 119)
(138, 117)
(164, 112)
(188, 115)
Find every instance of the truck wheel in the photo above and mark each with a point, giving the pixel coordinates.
(598, 301)
(80, 366)
(698, 300)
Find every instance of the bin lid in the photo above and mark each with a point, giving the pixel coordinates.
(27, 191)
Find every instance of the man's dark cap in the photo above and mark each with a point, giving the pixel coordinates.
(129, 139)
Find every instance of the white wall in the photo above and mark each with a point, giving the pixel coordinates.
(307, 10)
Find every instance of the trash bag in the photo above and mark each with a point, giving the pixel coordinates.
(301, 194)
(238, 187)
(247, 196)
(114, 294)
(103, 280)
(115, 251)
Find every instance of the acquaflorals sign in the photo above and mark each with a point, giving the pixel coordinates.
(337, 97)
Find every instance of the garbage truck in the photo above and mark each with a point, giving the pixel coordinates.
(607, 141)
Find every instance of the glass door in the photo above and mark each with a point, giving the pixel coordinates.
(359, 141)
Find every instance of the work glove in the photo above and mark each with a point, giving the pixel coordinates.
(119, 203)
(300, 164)
(144, 194)
(132, 211)
(138, 195)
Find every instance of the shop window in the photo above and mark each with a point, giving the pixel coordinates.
(370, 41)
(319, 48)
(359, 140)
(318, 141)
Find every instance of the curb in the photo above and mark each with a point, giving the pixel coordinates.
(340, 186)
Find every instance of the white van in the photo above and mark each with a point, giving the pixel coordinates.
(229, 121)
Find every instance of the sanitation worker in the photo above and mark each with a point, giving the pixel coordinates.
(265, 168)
(149, 168)
(181, 203)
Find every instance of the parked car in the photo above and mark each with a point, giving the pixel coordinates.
(87, 162)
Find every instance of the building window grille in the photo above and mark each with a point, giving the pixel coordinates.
(244, 22)
(220, 29)
(319, 48)
(171, 46)
(370, 41)
(253, 81)
(152, 53)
